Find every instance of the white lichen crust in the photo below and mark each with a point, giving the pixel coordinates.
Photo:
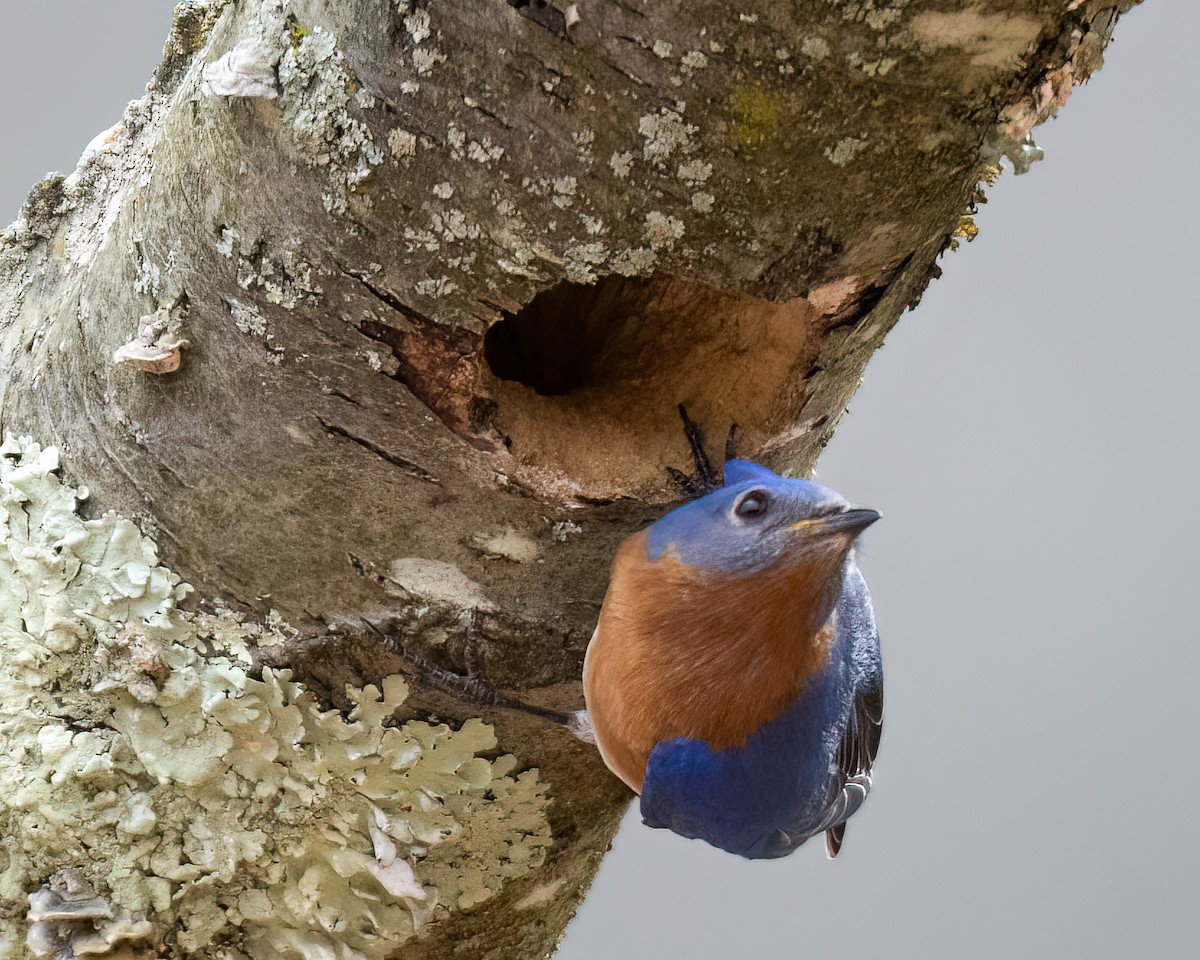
(322, 104)
(198, 805)
(248, 70)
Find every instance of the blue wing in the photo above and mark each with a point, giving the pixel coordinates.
(860, 743)
(806, 771)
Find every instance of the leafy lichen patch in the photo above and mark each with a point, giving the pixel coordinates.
(197, 803)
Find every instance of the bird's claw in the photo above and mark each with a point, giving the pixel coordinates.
(707, 478)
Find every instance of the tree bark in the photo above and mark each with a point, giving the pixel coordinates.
(374, 315)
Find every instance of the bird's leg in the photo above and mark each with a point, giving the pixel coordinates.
(707, 479)
(731, 443)
(474, 689)
(479, 692)
(706, 476)
(462, 686)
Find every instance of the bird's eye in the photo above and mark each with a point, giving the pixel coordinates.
(751, 505)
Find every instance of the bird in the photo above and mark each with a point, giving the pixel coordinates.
(734, 678)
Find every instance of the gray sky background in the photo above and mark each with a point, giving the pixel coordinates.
(1030, 434)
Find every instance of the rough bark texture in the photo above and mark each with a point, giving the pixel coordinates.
(408, 293)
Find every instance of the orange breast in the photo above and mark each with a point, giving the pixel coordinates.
(683, 652)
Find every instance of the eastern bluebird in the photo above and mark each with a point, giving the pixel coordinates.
(734, 679)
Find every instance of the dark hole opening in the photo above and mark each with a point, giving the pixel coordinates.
(587, 378)
(559, 340)
(541, 13)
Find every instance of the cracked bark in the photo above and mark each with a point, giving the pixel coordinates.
(726, 209)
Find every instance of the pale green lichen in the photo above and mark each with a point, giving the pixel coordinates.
(694, 172)
(287, 281)
(621, 164)
(816, 48)
(661, 230)
(163, 791)
(665, 133)
(484, 151)
(846, 150)
(582, 259)
(435, 287)
(635, 262)
(247, 318)
(322, 104)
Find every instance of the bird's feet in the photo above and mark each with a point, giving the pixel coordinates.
(707, 479)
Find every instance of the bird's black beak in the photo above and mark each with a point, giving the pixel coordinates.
(851, 522)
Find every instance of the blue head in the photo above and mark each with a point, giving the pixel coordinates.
(758, 520)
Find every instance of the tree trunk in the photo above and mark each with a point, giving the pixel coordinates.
(374, 316)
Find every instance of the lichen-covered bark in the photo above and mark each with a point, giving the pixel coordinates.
(159, 793)
(375, 313)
